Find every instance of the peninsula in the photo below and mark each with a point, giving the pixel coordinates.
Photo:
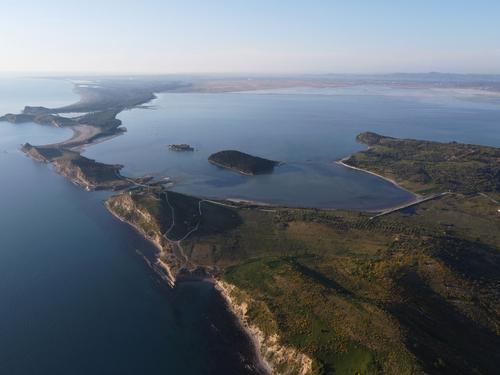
(426, 166)
(327, 291)
(85, 172)
(97, 110)
(324, 291)
(242, 163)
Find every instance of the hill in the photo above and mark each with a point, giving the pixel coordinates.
(242, 163)
(426, 166)
(400, 294)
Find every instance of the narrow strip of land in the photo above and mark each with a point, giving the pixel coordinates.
(410, 204)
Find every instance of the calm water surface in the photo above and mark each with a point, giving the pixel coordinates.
(75, 298)
(308, 129)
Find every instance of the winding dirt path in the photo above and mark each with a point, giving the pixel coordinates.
(178, 243)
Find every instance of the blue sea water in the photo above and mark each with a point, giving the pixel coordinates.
(75, 297)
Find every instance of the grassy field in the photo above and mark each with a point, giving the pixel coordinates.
(412, 291)
(384, 296)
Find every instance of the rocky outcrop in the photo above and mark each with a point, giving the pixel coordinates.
(279, 359)
(90, 174)
(127, 210)
(43, 154)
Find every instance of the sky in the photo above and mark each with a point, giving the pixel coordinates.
(249, 36)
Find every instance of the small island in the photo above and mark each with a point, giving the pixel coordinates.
(242, 163)
(182, 147)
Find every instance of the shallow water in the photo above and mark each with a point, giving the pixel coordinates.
(308, 129)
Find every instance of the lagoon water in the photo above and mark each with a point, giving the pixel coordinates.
(75, 297)
(308, 129)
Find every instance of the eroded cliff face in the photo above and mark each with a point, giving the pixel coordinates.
(280, 359)
(126, 209)
(84, 172)
(35, 153)
(91, 175)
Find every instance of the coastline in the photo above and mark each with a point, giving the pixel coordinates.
(235, 299)
(167, 273)
(230, 168)
(416, 198)
(270, 356)
(264, 349)
(85, 135)
(390, 180)
(273, 356)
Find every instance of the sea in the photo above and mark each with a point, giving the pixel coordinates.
(77, 297)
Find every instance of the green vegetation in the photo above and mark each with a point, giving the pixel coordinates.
(399, 291)
(106, 120)
(40, 153)
(89, 173)
(42, 119)
(101, 119)
(85, 172)
(397, 294)
(414, 291)
(177, 214)
(241, 162)
(425, 166)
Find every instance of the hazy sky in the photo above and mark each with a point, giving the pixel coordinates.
(274, 36)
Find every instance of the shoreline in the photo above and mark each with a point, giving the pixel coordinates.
(267, 349)
(163, 270)
(271, 353)
(217, 164)
(416, 198)
(390, 180)
(230, 168)
(85, 135)
(168, 276)
(263, 364)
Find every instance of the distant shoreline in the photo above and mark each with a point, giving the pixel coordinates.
(390, 180)
(85, 134)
